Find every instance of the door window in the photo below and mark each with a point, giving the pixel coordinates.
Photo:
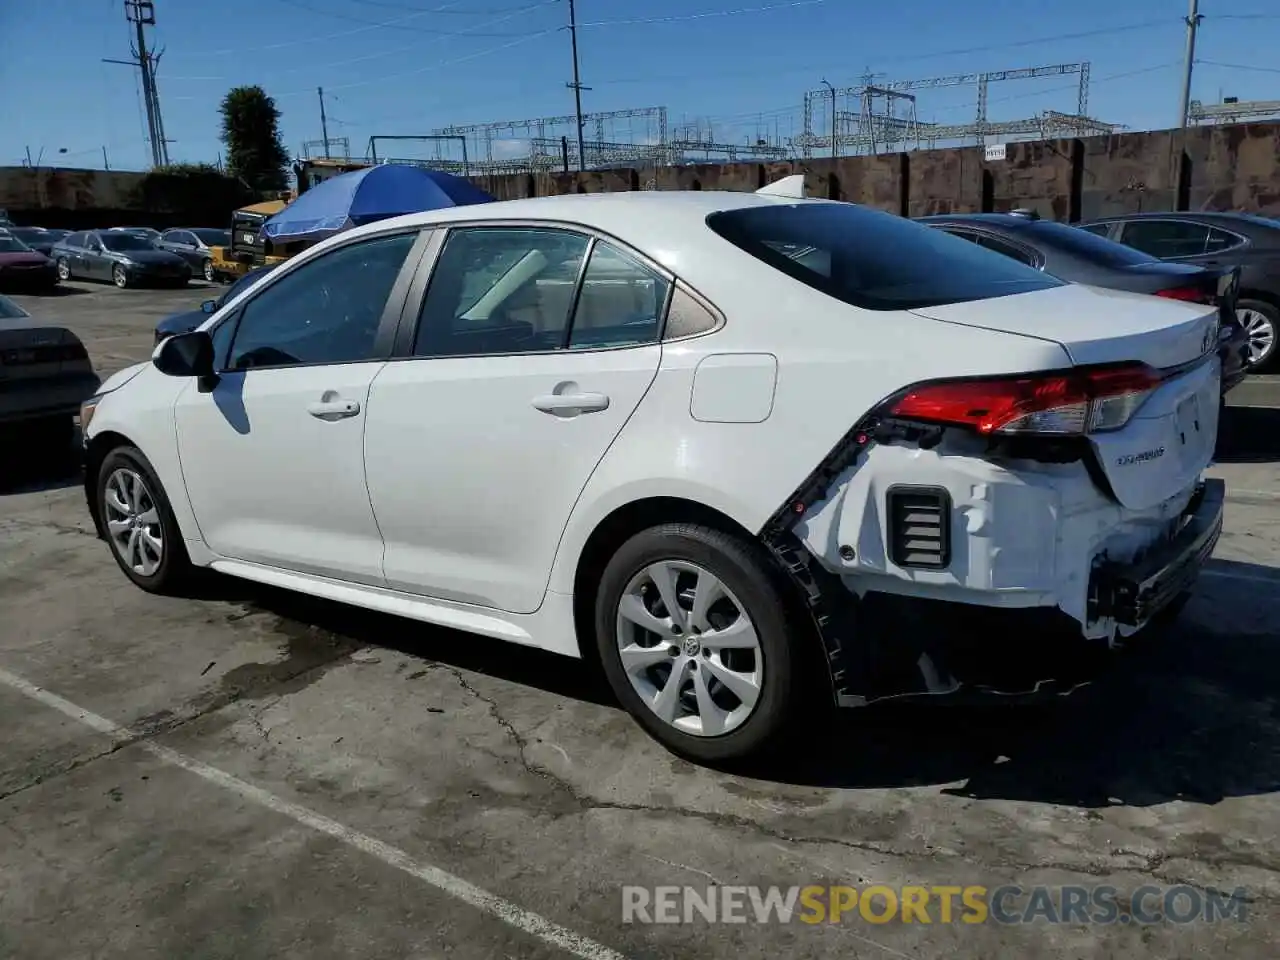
(1166, 238)
(74, 240)
(326, 311)
(620, 303)
(500, 290)
(1220, 240)
(1013, 251)
(1101, 229)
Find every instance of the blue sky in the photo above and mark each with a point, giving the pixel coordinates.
(742, 66)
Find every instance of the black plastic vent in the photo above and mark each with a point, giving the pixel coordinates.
(919, 527)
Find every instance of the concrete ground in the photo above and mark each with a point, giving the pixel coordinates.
(251, 774)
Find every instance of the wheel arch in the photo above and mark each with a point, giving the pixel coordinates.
(631, 518)
(95, 452)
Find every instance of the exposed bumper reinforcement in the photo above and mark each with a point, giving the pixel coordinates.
(1133, 593)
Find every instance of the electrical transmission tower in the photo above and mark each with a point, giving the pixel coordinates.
(142, 14)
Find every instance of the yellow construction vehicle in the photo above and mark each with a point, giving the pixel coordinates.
(248, 248)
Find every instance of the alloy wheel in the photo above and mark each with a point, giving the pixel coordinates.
(689, 648)
(119, 277)
(133, 522)
(1261, 331)
(208, 271)
(64, 270)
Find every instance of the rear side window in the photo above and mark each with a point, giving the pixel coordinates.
(74, 240)
(1085, 245)
(871, 259)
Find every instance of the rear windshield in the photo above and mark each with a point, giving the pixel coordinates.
(1088, 246)
(214, 238)
(11, 244)
(872, 259)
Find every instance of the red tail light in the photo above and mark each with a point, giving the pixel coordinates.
(1059, 404)
(1189, 294)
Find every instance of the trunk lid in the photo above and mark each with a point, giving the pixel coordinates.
(1095, 325)
(1168, 443)
(37, 351)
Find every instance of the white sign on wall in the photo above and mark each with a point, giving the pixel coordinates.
(997, 151)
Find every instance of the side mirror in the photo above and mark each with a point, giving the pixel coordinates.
(185, 355)
(209, 306)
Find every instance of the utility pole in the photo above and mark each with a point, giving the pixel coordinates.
(834, 140)
(1193, 24)
(142, 13)
(324, 123)
(576, 85)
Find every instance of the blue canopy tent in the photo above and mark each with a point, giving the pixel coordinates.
(363, 196)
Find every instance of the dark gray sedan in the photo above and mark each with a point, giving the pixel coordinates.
(1079, 256)
(123, 258)
(45, 374)
(195, 245)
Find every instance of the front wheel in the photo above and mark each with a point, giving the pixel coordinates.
(691, 627)
(1259, 320)
(139, 523)
(210, 274)
(119, 277)
(64, 269)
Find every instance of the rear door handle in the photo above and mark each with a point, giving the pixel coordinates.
(570, 403)
(327, 409)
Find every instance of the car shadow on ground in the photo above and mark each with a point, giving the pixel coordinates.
(1187, 715)
(51, 293)
(39, 467)
(1249, 435)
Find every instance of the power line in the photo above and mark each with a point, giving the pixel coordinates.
(915, 58)
(683, 17)
(398, 26)
(404, 6)
(381, 54)
(1238, 66)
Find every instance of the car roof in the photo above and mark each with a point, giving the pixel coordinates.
(653, 221)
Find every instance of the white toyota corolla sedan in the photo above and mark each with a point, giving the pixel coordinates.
(729, 446)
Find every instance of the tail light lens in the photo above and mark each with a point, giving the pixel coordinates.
(1074, 403)
(1187, 294)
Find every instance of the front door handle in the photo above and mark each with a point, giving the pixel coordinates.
(569, 404)
(329, 407)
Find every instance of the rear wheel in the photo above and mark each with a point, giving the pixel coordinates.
(119, 277)
(691, 627)
(1259, 320)
(139, 523)
(209, 273)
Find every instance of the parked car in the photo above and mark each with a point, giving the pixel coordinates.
(45, 374)
(1213, 239)
(688, 435)
(121, 257)
(195, 246)
(150, 233)
(188, 320)
(24, 268)
(38, 238)
(1079, 256)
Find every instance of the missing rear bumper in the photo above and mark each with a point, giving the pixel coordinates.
(1133, 593)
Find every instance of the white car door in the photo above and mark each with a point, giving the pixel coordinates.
(523, 368)
(273, 455)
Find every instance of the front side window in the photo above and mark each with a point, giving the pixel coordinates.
(328, 310)
(1166, 238)
(500, 290)
(74, 240)
(871, 259)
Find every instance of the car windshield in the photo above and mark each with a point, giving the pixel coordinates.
(1085, 245)
(10, 310)
(214, 238)
(872, 259)
(11, 244)
(126, 241)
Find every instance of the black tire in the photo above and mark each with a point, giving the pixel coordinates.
(175, 569)
(1270, 361)
(64, 268)
(208, 272)
(119, 277)
(746, 571)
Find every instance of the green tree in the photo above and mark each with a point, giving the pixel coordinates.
(251, 132)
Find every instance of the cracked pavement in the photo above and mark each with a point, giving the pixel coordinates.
(514, 770)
